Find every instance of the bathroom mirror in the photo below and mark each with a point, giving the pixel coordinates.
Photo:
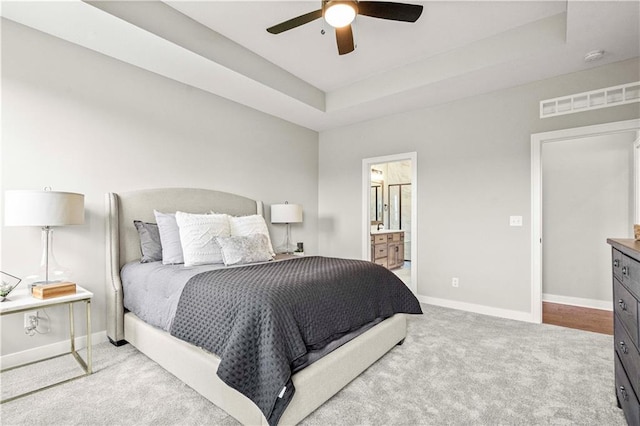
(376, 203)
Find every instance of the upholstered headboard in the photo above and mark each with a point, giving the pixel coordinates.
(123, 244)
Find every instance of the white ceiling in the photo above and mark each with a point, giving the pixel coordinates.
(456, 49)
(381, 45)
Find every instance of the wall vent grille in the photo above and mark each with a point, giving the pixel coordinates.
(587, 101)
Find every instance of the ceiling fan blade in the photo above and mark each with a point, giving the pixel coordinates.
(344, 37)
(295, 22)
(388, 10)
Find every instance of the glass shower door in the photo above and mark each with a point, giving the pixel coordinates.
(400, 213)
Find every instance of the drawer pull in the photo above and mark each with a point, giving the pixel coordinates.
(622, 305)
(624, 393)
(616, 263)
(625, 271)
(623, 347)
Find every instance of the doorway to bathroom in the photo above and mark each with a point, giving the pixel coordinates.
(389, 214)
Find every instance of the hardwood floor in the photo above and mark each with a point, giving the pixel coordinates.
(597, 320)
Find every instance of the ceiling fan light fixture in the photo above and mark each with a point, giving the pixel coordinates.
(339, 14)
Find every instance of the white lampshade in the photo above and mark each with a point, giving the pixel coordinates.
(43, 208)
(286, 213)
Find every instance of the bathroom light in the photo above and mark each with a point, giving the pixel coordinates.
(340, 14)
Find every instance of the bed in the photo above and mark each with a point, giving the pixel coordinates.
(195, 366)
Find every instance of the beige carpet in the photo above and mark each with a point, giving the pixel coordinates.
(455, 368)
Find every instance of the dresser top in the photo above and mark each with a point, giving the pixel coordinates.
(628, 246)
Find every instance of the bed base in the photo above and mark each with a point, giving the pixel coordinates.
(314, 384)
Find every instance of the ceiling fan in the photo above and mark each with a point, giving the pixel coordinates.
(339, 14)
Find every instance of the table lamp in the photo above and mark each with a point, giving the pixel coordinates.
(45, 209)
(286, 213)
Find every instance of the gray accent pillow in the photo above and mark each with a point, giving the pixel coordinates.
(237, 250)
(150, 244)
(170, 238)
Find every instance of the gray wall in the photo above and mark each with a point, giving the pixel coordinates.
(473, 173)
(587, 197)
(78, 121)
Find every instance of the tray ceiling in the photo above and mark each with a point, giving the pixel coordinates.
(455, 50)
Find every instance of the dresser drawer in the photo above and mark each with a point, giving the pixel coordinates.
(626, 397)
(380, 250)
(396, 236)
(631, 275)
(379, 239)
(628, 354)
(625, 307)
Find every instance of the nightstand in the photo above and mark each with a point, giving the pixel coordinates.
(20, 301)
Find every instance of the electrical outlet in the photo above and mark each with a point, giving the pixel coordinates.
(515, 220)
(27, 318)
(455, 282)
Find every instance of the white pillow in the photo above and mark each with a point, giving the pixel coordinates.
(243, 226)
(169, 238)
(197, 235)
(244, 249)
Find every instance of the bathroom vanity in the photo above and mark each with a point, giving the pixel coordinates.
(387, 248)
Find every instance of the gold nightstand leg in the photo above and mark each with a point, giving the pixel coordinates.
(71, 329)
(84, 363)
(89, 356)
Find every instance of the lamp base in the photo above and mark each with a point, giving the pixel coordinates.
(50, 270)
(285, 250)
(286, 247)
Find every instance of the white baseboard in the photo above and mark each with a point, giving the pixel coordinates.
(46, 351)
(605, 305)
(478, 309)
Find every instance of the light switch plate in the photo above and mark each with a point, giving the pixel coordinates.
(515, 220)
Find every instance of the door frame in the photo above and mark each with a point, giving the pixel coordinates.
(636, 178)
(366, 195)
(537, 141)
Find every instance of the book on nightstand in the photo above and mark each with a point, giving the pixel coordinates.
(47, 291)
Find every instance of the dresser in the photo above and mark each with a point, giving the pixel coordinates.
(387, 248)
(625, 261)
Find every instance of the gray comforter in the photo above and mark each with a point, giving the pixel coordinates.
(260, 318)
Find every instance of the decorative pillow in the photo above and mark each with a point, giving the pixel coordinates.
(169, 237)
(237, 250)
(197, 236)
(150, 244)
(242, 226)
